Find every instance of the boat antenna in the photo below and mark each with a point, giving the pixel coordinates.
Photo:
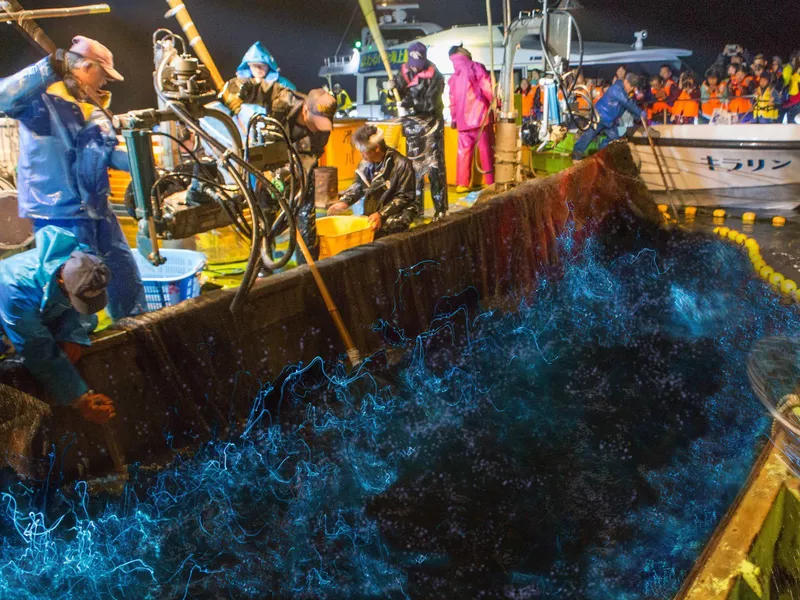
(344, 35)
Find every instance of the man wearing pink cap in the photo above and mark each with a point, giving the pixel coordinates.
(67, 144)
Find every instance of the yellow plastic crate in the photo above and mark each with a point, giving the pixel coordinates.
(337, 234)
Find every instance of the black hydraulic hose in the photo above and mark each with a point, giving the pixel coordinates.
(180, 112)
(250, 272)
(230, 126)
(188, 150)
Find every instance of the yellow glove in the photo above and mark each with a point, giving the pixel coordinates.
(230, 96)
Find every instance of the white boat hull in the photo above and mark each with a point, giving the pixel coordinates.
(748, 166)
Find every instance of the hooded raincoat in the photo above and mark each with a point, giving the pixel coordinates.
(258, 54)
(470, 99)
(36, 314)
(66, 149)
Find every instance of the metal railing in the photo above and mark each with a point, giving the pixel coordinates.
(9, 147)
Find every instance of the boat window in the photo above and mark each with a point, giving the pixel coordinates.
(372, 91)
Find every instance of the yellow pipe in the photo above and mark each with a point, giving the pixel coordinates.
(195, 41)
(372, 22)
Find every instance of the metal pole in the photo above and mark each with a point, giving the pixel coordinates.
(491, 43)
(195, 41)
(660, 169)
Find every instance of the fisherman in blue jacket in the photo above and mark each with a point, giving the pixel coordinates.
(66, 148)
(610, 109)
(48, 299)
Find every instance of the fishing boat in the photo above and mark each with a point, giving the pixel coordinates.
(738, 165)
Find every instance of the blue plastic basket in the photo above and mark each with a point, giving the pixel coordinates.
(174, 281)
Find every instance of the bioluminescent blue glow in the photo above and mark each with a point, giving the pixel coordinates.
(584, 446)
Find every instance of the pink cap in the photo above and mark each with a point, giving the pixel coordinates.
(95, 51)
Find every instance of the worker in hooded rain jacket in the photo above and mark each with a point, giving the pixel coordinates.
(48, 299)
(610, 109)
(384, 181)
(67, 145)
(421, 87)
(471, 97)
(309, 122)
(258, 64)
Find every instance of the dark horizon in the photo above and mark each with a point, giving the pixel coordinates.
(301, 34)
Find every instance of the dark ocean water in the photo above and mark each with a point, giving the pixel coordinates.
(584, 446)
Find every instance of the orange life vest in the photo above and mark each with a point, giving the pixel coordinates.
(527, 101)
(713, 102)
(738, 104)
(686, 106)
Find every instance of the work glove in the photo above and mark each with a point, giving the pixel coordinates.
(643, 115)
(72, 350)
(234, 92)
(96, 408)
(59, 63)
(391, 84)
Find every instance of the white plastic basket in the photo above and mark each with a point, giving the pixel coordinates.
(176, 280)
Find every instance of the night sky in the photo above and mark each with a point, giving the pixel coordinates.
(301, 33)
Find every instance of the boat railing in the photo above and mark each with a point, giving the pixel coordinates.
(9, 146)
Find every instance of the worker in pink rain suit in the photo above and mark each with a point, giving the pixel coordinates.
(470, 99)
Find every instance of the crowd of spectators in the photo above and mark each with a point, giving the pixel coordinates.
(738, 88)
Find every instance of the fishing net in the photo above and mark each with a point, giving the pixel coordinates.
(20, 417)
(774, 371)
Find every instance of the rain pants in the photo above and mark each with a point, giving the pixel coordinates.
(66, 148)
(285, 105)
(36, 314)
(609, 109)
(470, 98)
(421, 96)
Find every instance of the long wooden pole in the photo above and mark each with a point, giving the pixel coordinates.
(372, 22)
(660, 169)
(195, 41)
(352, 352)
(31, 31)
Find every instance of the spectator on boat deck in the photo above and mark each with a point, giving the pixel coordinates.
(67, 145)
(765, 109)
(791, 83)
(527, 93)
(471, 98)
(609, 110)
(620, 73)
(535, 76)
(758, 69)
(687, 107)
(712, 94)
(671, 89)
(48, 299)
(740, 88)
(776, 66)
(421, 87)
(343, 101)
(384, 181)
(656, 100)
